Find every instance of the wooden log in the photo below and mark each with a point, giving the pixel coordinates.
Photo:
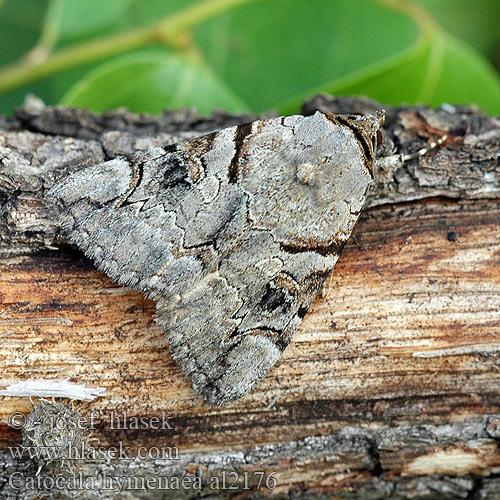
(390, 389)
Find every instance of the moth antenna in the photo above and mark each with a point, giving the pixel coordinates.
(390, 163)
(423, 151)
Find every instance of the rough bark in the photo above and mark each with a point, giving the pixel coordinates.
(388, 391)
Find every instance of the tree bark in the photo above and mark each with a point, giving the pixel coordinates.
(390, 389)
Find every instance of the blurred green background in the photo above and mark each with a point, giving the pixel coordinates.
(248, 55)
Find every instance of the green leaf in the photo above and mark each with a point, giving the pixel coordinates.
(270, 52)
(86, 17)
(152, 82)
(20, 26)
(147, 11)
(439, 70)
(464, 77)
(264, 54)
(274, 54)
(476, 23)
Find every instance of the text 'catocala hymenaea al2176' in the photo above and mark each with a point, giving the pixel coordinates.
(232, 234)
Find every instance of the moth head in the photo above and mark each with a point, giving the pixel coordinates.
(372, 124)
(366, 130)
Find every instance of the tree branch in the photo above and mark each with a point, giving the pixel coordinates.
(388, 390)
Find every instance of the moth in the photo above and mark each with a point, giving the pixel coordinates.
(232, 234)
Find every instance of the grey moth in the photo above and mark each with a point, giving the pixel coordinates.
(232, 234)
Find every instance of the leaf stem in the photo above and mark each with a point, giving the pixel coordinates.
(50, 33)
(420, 15)
(171, 30)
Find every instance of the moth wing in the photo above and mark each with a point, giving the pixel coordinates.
(144, 219)
(233, 234)
(304, 181)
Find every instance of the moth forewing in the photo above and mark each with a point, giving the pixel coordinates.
(232, 234)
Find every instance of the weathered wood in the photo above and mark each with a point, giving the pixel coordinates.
(390, 388)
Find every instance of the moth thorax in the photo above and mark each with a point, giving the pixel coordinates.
(306, 173)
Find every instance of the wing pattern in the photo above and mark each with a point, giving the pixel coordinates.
(232, 234)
